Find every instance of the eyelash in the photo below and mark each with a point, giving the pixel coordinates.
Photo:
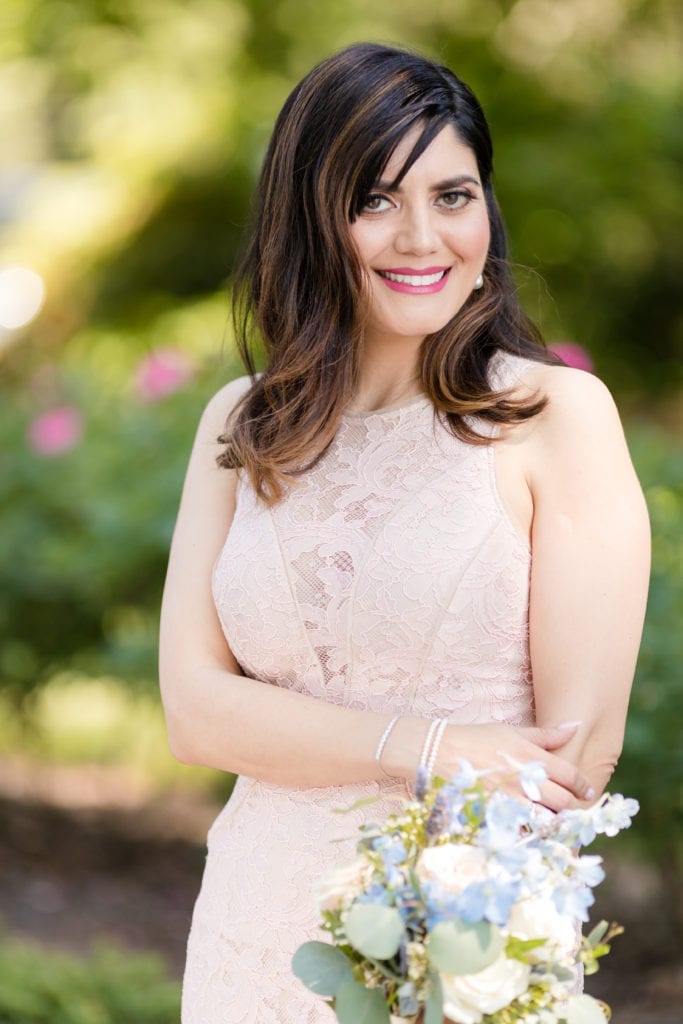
(459, 193)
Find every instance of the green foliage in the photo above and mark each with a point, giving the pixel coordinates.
(144, 125)
(321, 966)
(456, 947)
(109, 987)
(88, 531)
(651, 767)
(375, 931)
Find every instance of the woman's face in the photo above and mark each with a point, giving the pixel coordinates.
(423, 245)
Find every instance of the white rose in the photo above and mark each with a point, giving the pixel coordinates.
(342, 882)
(537, 918)
(454, 866)
(468, 997)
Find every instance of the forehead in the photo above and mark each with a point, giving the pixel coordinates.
(445, 156)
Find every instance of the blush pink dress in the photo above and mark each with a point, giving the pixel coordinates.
(391, 579)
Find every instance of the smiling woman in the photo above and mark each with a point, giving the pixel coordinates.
(415, 537)
(418, 215)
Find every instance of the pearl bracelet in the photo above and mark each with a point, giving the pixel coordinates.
(382, 744)
(427, 745)
(438, 736)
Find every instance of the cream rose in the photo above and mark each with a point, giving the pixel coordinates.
(468, 997)
(453, 866)
(537, 918)
(342, 882)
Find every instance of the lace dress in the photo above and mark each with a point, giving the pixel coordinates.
(391, 580)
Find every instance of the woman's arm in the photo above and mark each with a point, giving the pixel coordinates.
(590, 568)
(219, 718)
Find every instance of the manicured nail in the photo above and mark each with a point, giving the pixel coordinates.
(590, 793)
(569, 725)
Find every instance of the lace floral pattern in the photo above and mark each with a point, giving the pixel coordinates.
(389, 579)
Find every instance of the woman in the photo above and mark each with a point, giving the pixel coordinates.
(426, 517)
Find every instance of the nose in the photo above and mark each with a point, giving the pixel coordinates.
(416, 232)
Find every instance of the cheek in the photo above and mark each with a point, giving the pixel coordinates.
(471, 239)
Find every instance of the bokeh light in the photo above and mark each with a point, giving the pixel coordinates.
(22, 293)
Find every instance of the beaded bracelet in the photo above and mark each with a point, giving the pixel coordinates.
(383, 742)
(438, 736)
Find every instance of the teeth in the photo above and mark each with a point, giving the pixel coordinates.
(414, 279)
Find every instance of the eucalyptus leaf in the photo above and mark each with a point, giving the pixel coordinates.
(374, 930)
(457, 947)
(434, 1004)
(321, 967)
(584, 1010)
(562, 973)
(598, 933)
(355, 1004)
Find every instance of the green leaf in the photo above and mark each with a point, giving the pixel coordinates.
(517, 949)
(321, 967)
(374, 930)
(584, 1010)
(598, 933)
(434, 1004)
(355, 1004)
(456, 947)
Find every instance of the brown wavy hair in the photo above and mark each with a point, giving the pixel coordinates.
(299, 287)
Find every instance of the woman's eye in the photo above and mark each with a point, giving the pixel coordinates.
(455, 200)
(373, 203)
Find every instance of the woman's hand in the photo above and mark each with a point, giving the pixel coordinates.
(486, 747)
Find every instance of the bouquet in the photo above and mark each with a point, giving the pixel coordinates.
(466, 905)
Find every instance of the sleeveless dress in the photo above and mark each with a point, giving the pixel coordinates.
(390, 579)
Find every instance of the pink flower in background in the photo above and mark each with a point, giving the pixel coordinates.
(56, 431)
(161, 373)
(573, 355)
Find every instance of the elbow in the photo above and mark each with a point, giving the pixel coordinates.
(180, 748)
(600, 770)
(179, 740)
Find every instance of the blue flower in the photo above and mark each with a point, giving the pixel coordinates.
(376, 894)
(491, 899)
(440, 905)
(409, 903)
(531, 775)
(578, 825)
(615, 814)
(466, 777)
(391, 849)
(505, 814)
(589, 870)
(408, 1005)
(573, 900)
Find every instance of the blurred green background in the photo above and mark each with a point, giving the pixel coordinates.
(130, 137)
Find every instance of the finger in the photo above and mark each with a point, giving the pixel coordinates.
(557, 798)
(568, 776)
(551, 737)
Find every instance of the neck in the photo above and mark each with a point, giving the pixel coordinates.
(388, 372)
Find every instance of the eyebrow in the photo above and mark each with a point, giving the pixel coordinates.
(440, 186)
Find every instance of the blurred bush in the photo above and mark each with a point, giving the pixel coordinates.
(651, 767)
(109, 987)
(134, 131)
(86, 514)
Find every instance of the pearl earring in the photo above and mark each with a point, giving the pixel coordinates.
(479, 283)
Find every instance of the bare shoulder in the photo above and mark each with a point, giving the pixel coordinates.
(220, 406)
(580, 411)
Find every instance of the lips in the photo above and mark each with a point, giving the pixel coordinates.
(415, 281)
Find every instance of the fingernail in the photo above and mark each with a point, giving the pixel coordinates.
(590, 793)
(569, 725)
